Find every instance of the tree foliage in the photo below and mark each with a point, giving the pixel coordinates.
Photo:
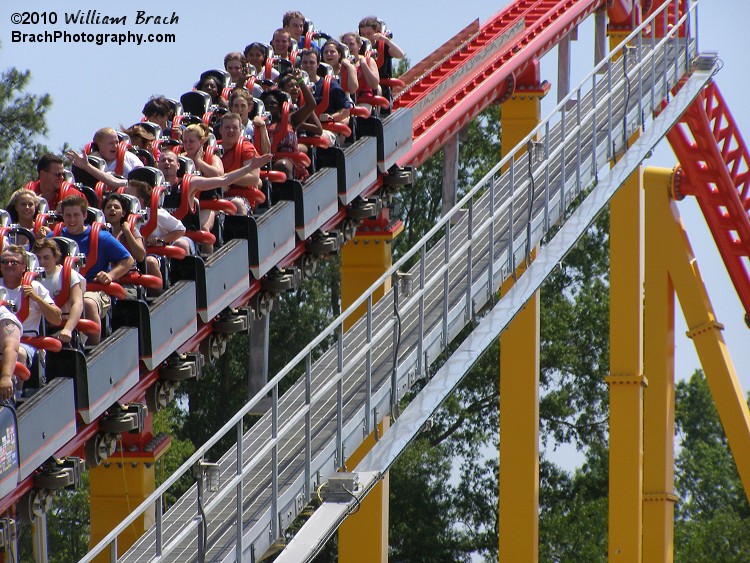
(22, 121)
(444, 488)
(713, 516)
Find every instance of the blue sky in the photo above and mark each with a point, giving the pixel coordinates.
(96, 86)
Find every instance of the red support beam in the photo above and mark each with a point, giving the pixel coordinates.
(716, 164)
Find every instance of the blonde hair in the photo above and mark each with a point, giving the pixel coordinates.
(201, 130)
(15, 197)
(103, 132)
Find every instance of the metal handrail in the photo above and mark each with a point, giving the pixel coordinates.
(490, 182)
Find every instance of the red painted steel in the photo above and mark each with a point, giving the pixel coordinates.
(498, 64)
(716, 164)
(545, 23)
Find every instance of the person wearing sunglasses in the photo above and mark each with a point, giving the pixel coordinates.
(13, 265)
(49, 183)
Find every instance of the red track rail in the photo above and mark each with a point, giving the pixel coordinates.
(545, 23)
(716, 164)
(489, 61)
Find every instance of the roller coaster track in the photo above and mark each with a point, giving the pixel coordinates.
(277, 464)
(715, 169)
(473, 62)
(485, 69)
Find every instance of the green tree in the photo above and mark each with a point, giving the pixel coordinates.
(421, 205)
(713, 516)
(22, 122)
(573, 410)
(297, 318)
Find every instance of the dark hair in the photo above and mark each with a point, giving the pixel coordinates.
(289, 16)
(158, 105)
(44, 242)
(262, 47)
(74, 201)
(47, 159)
(137, 131)
(371, 21)
(284, 78)
(280, 96)
(142, 189)
(340, 49)
(202, 84)
(305, 52)
(124, 203)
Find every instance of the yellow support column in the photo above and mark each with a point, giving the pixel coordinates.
(120, 485)
(518, 519)
(626, 381)
(705, 331)
(518, 510)
(523, 110)
(363, 260)
(363, 536)
(658, 457)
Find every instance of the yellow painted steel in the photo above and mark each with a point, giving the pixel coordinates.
(705, 332)
(658, 459)
(518, 510)
(626, 380)
(519, 437)
(363, 537)
(615, 38)
(519, 116)
(115, 490)
(363, 260)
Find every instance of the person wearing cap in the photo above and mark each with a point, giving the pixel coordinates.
(139, 137)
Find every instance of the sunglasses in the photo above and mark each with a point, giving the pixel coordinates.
(56, 174)
(10, 262)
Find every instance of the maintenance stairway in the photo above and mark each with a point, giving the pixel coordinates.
(456, 271)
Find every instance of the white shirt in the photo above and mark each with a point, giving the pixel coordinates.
(166, 223)
(31, 324)
(129, 162)
(7, 315)
(53, 284)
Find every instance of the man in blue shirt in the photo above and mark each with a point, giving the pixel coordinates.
(338, 101)
(112, 259)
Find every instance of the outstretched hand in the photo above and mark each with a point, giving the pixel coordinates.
(258, 161)
(78, 160)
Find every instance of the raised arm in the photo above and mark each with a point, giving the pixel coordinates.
(262, 131)
(369, 71)
(352, 83)
(395, 51)
(201, 184)
(298, 117)
(81, 161)
(208, 169)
